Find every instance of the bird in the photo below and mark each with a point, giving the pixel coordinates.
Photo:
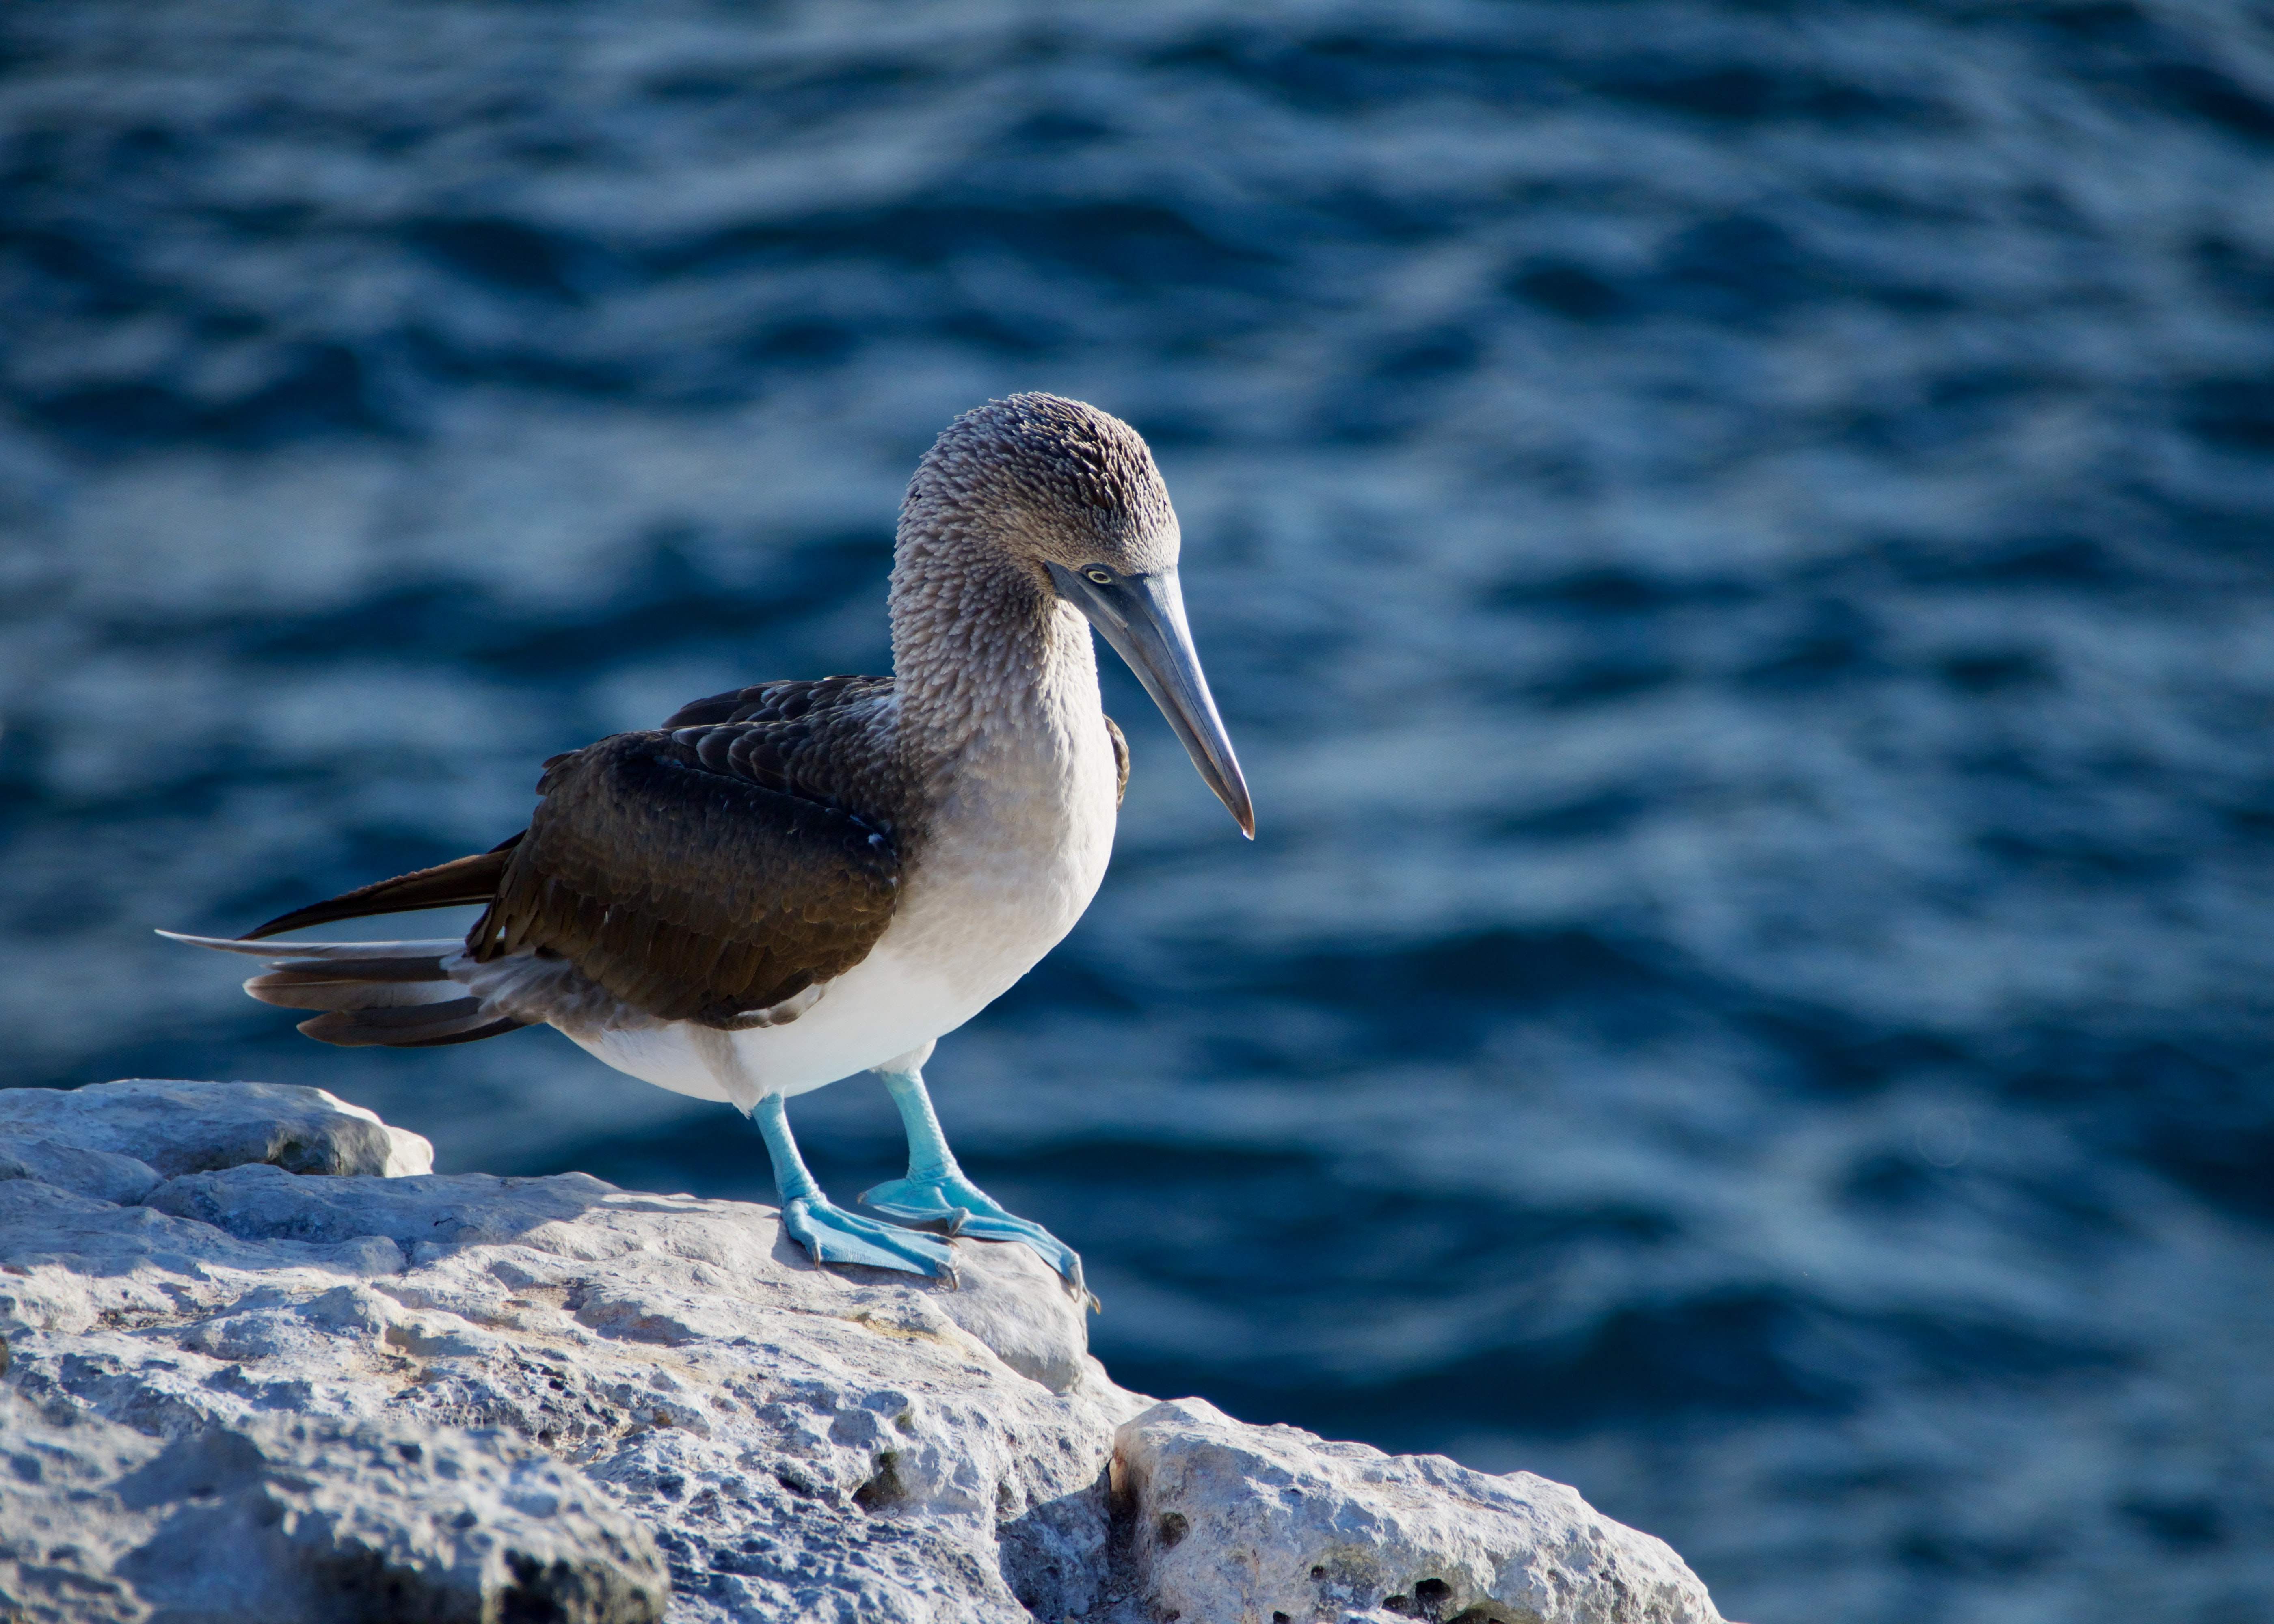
(795, 882)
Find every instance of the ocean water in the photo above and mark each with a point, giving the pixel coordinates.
(1733, 541)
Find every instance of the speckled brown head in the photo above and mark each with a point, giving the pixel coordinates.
(1055, 498)
(1045, 480)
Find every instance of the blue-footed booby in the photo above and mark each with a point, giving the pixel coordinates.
(789, 883)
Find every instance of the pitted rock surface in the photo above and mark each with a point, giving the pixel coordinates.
(1233, 1522)
(279, 1519)
(799, 1443)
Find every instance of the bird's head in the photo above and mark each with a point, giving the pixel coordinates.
(1068, 496)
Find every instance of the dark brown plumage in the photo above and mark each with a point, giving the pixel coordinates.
(449, 885)
(360, 997)
(708, 871)
(666, 870)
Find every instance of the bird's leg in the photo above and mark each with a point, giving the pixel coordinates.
(824, 1229)
(935, 1190)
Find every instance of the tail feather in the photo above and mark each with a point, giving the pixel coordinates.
(281, 954)
(496, 1029)
(328, 988)
(396, 994)
(452, 884)
(424, 1026)
(415, 1023)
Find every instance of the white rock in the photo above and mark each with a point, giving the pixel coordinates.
(274, 1521)
(803, 1444)
(183, 1127)
(102, 1173)
(1236, 1524)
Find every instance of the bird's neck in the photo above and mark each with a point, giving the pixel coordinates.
(986, 664)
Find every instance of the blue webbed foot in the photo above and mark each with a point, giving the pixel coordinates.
(834, 1236)
(953, 1203)
(827, 1231)
(936, 1195)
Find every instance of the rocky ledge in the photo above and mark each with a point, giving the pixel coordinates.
(264, 1366)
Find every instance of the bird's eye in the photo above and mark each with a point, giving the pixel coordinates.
(1103, 577)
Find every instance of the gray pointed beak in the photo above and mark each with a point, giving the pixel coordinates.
(1143, 617)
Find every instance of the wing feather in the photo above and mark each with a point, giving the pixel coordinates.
(684, 870)
(721, 870)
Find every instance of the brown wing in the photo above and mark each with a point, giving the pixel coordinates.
(787, 701)
(707, 872)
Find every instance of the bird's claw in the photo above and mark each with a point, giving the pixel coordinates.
(971, 1213)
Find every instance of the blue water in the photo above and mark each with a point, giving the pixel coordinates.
(1733, 541)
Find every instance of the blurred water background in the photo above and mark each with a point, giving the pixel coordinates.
(1732, 540)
